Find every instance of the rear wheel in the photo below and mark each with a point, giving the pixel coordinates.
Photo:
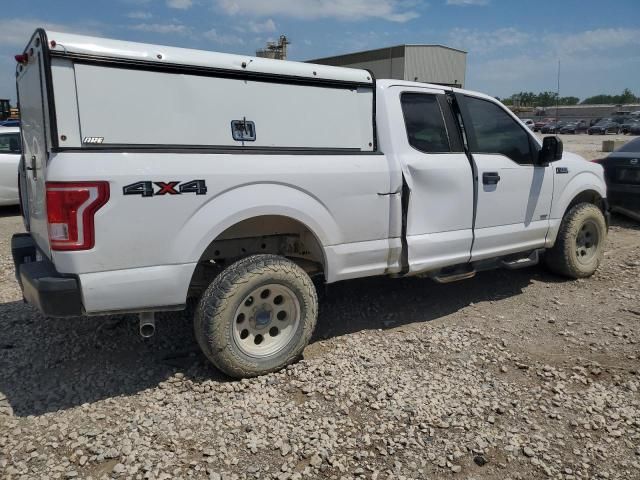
(256, 316)
(579, 247)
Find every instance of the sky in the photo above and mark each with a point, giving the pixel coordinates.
(513, 45)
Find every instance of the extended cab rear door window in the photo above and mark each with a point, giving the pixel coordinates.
(424, 122)
(495, 131)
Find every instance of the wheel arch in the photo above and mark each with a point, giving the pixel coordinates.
(587, 196)
(248, 212)
(281, 235)
(248, 201)
(584, 187)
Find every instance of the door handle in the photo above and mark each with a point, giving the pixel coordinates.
(384, 194)
(490, 178)
(33, 163)
(33, 167)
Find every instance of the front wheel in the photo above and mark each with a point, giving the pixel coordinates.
(579, 247)
(257, 316)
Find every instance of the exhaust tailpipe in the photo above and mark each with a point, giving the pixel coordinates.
(147, 324)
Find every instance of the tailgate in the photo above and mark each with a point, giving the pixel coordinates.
(34, 111)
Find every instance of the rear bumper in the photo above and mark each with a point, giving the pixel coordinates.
(53, 293)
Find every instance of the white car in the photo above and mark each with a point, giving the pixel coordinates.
(529, 123)
(9, 159)
(264, 174)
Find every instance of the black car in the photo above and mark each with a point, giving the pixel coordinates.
(575, 127)
(553, 127)
(622, 174)
(635, 129)
(603, 127)
(626, 126)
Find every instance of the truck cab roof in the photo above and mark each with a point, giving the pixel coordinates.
(386, 83)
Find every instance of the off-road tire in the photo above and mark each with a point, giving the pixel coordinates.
(215, 314)
(562, 258)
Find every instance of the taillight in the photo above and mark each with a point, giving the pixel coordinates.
(71, 207)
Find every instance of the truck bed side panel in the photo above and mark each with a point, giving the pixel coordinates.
(336, 196)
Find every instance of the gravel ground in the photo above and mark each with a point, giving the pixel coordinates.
(510, 375)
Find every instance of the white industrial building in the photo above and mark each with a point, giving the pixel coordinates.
(421, 63)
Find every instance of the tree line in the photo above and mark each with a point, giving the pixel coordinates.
(548, 99)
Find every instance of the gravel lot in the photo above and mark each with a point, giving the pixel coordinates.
(510, 375)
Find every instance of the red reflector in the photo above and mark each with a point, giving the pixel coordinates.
(71, 207)
(22, 58)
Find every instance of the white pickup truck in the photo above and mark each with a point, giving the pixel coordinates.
(153, 175)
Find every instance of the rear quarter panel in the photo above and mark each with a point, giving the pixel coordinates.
(335, 196)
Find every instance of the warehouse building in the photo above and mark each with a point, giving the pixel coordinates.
(418, 63)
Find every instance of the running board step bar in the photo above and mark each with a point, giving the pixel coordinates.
(454, 275)
(522, 262)
(469, 270)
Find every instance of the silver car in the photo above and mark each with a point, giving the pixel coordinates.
(10, 149)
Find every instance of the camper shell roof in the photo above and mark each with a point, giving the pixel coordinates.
(88, 48)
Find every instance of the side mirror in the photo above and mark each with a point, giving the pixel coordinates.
(551, 150)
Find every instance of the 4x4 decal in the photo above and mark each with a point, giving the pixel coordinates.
(146, 188)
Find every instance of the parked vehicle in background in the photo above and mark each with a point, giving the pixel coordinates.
(541, 123)
(603, 127)
(9, 159)
(629, 124)
(553, 127)
(10, 123)
(593, 121)
(575, 127)
(529, 123)
(622, 174)
(5, 109)
(241, 206)
(621, 119)
(634, 129)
